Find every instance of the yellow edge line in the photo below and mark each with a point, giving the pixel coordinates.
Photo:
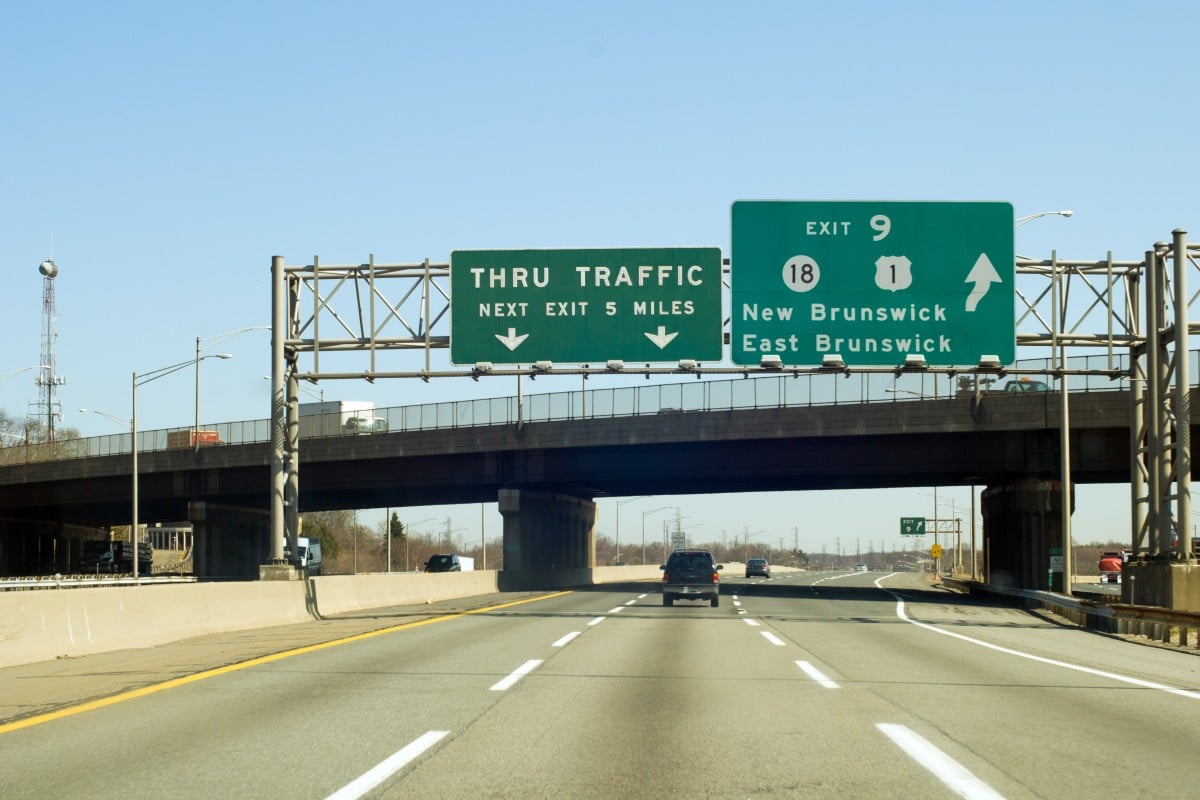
(92, 705)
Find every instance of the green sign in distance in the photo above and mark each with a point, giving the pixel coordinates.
(912, 526)
(580, 306)
(872, 282)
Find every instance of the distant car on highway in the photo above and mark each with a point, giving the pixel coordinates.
(1026, 385)
(758, 566)
(860, 567)
(691, 575)
(444, 562)
(1111, 565)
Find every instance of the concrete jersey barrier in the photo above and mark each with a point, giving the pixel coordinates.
(54, 623)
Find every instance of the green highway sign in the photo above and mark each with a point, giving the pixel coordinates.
(912, 526)
(872, 282)
(580, 306)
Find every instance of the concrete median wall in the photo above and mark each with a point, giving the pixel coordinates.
(341, 594)
(54, 623)
(42, 625)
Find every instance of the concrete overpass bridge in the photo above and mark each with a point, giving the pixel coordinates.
(546, 460)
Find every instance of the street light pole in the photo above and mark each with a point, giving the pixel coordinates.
(644, 515)
(620, 503)
(137, 381)
(198, 359)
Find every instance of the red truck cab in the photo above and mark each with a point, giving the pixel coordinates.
(1111, 564)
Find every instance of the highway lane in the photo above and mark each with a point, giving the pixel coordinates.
(808, 685)
(1032, 707)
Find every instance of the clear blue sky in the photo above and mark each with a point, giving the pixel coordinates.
(161, 153)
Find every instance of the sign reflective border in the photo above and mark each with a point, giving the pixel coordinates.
(873, 282)
(585, 306)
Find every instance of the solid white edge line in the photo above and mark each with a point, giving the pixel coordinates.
(564, 640)
(388, 767)
(957, 778)
(772, 638)
(1040, 659)
(516, 675)
(816, 675)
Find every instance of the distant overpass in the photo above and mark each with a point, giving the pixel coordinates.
(761, 434)
(700, 438)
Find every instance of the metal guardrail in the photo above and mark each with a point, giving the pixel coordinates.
(1181, 628)
(86, 581)
(760, 392)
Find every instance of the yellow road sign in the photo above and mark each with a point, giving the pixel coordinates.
(935, 551)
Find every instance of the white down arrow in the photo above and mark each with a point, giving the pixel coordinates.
(512, 341)
(662, 338)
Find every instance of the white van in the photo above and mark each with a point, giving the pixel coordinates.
(310, 555)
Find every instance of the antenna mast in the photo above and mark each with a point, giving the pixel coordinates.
(48, 408)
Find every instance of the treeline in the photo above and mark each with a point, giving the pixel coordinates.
(352, 547)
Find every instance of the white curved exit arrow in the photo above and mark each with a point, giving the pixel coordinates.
(983, 275)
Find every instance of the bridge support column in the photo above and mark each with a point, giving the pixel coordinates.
(546, 532)
(1022, 523)
(229, 542)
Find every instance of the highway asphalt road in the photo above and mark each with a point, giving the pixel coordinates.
(841, 685)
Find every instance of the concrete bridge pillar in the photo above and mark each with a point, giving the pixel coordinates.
(229, 542)
(1022, 522)
(544, 532)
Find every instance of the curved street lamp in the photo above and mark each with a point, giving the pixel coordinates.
(407, 526)
(105, 414)
(644, 515)
(142, 380)
(214, 339)
(620, 503)
(1066, 212)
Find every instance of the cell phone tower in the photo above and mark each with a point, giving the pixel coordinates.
(49, 410)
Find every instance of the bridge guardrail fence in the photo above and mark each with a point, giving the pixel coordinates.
(746, 393)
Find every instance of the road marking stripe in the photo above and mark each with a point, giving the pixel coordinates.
(597, 621)
(631, 602)
(772, 638)
(183, 680)
(900, 612)
(388, 767)
(616, 610)
(642, 597)
(564, 640)
(957, 778)
(516, 675)
(751, 622)
(816, 675)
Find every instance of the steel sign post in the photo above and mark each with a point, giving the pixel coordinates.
(579, 306)
(873, 282)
